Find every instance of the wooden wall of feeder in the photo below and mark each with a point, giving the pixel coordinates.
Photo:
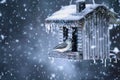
(88, 29)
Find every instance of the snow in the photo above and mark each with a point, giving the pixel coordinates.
(25, 9)
(28, 60)
(52, 60)
(116, 50)
(80, 0)
(3, 37)
(118, 21)
(23, 18)
(110, 27)
(93, 47)
(16, 40)
(69, 12)
(53, 75)
(60, 67)
(112, 9)
(24, 5)
(71, 2)
(0, 14)
(3, 1)
(41, 24)
(64, 13)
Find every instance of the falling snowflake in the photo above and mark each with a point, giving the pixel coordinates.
(60, 67)
(25, 9)
(52, 76)
(23, 18)
(24, 5)
(16, 40)
(42, 24)
(3, 37)
(0, 14)
(3, 1)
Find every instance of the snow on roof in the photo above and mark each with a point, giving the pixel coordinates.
(70, 13)
(65, 13)
(80, 0)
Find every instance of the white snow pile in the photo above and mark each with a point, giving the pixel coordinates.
(69, 12)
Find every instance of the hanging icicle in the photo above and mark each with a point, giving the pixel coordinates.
(93, 2)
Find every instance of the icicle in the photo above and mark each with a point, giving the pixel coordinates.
(51, 27)
(57, 27)
(115, 60)
(84, 42)
(71, 2)
(94, 61)
(105, 63)
(60, 33)
(48, 27)
(69, 32)
(102, 61)
(110, 59)
(80, 42)
(93, 2)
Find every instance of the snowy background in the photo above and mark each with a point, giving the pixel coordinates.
(24, 44)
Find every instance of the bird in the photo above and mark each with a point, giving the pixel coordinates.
(63, 47)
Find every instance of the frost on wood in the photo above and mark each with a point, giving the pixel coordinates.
(96, 37)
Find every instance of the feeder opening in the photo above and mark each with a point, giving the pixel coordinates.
(65, 33)
(74, 39)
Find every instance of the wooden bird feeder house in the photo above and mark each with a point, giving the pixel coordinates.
(87, 25)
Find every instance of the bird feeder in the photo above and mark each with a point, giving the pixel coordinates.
(87, 25)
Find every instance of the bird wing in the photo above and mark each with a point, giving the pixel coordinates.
(60, 46)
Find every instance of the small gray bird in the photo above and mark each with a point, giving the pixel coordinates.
(63, 47)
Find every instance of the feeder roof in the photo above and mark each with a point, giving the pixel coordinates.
(69, 13)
